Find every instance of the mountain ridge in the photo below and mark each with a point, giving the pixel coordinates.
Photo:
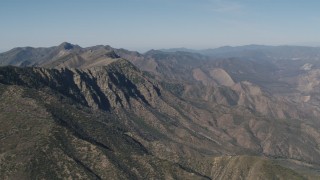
(158, 121)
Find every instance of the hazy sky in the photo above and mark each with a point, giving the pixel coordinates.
(146, 24)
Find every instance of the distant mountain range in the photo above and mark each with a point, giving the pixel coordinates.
(249, 112)
(249, 50)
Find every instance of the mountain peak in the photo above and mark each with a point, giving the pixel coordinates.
(153, 51)
(66, 46)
